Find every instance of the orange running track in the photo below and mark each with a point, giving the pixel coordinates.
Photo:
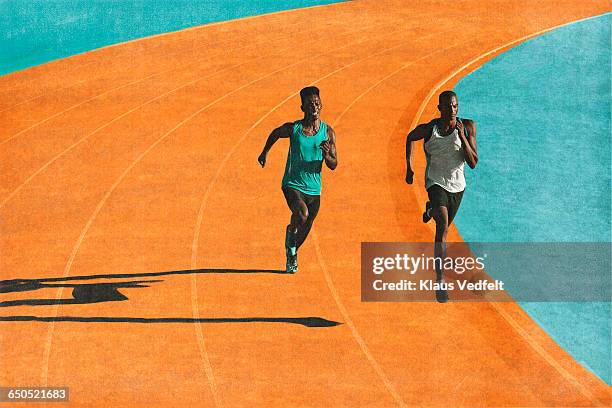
(139, 161)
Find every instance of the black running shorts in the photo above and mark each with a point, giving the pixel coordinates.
(312, 201)
(439, 197)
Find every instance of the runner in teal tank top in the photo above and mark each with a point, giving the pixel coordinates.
(311, 143)
(305, 160)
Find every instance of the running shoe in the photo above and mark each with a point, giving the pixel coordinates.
(427, 213)
(441, 296)
(292, 265)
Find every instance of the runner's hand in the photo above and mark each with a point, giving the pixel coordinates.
(326, 147)
(262, 159)
(460, 129)
(409, 176)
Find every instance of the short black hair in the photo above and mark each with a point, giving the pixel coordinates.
(309, 90)
(446, 95)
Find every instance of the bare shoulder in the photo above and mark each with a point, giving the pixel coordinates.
(470, 124)
(422, 131)
(331, 135)
(428, 127)
(284, 130)
(288, 126)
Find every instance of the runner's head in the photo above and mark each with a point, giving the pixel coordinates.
(448, 105)
(311, 102)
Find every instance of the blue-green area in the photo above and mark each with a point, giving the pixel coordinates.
(544, 172)
(33, 32)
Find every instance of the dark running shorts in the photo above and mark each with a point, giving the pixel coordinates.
(312, 201)
(439, 197)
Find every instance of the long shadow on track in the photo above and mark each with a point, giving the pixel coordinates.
(304, 321)
(21, 285)
(109, 292)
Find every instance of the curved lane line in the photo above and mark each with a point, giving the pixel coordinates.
(200, 60)
(84, 138)
(44, 93)
(81, 238)
(517, 327)
(100, 94)
(208, 191)
(328, 278)
(14, 87)
(142, 79)
(168, 33)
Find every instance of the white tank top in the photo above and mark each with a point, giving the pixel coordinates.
(445, 161)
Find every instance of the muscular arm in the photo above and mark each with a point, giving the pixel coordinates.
(329, 149)
(283, 131)
(418, 133)
(469, 142)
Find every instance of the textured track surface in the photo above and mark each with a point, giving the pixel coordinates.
(139, 161)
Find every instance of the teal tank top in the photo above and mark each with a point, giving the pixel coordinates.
(305, 160)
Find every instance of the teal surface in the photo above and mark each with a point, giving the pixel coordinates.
(33, 32)
(544, 171)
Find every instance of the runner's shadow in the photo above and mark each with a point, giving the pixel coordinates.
(81, 293)
(304, 321)
(84, 293)
(21, 285)
(88, 293)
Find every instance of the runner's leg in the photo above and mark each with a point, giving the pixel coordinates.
(299, 215)
(440, 215)
(453, 207)
(439, 199)
(313, 203)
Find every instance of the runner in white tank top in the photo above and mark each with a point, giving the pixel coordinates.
(445, 161)
(448, 143)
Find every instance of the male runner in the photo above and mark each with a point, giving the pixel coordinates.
(449, 142)
(311, 141)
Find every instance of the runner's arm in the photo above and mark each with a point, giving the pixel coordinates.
(328, 146)
(418, 133)
(469, 142)
(283, 131)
